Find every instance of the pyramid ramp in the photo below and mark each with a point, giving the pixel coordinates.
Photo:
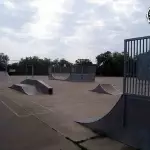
(33, 87)
(127, 122)
(25, 88)
(106, 89)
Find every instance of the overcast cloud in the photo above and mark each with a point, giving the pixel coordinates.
(69, 29)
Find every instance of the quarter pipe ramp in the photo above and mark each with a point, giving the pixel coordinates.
(82, 77)
(4, 76)
(106, 89)
(127, 122)
(33, 87)
(59, 77)
(74, 77)
(5, 80)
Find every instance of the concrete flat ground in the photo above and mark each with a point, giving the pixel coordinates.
(43, 122)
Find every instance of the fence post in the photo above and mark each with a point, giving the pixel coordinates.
(32, 71)
(124, 84)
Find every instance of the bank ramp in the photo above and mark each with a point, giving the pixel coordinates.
(33, 87)
(106, 89)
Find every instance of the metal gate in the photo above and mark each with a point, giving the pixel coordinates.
(128, 121)
(137, 66)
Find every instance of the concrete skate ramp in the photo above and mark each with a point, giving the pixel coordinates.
(75, 77)
(33, 87)
(82, 77)
(60, 77)
(106, 89)
(5, 79)
(25, 88)
(4, 76)
(127, 122)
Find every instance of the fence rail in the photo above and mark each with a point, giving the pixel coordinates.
(74, 69)
(137, 66)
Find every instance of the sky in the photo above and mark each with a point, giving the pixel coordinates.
(69, 29)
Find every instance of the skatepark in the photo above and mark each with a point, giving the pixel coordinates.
(48, 121)
(78, 111)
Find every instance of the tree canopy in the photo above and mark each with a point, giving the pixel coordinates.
(83, 62)
(108, 64)
(3, 61)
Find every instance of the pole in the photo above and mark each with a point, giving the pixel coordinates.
(5, 63)
(124, 83)
(26, 71)
(82, 70)
(32, 71)
(6, 67)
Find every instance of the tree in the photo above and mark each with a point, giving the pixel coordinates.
(4, 58)
(24, 66)
(61, 66)
(118, 64)
(55, 62)
(83, 62)
(47, 61)
(64, 63)
(3, 61)
(110, 64)
(102, 58)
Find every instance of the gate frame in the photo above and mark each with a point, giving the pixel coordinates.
(127, 74)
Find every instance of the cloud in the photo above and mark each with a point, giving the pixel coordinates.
(15, 13)
(48, 19)
(69, 28)
(9, 4)
(17, 50)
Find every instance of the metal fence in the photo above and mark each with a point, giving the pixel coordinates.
(59, 69)
(83, 69)
(78, 69)
(137, 66)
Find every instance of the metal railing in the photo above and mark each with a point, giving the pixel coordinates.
(73, 69)
(137, 66)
